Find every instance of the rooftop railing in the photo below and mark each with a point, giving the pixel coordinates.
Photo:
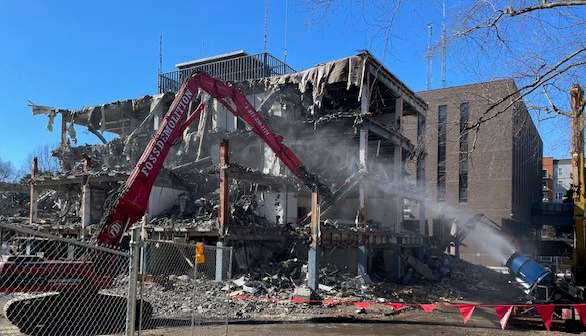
(233, 70)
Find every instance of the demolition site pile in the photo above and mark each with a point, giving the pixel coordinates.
(267, 294)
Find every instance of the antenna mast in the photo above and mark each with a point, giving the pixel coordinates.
(160, 69)
(266, 27)
(429, 56)
(444, 47)
(161, 54)
(286, 52)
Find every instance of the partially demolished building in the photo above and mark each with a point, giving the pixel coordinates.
(351, 121)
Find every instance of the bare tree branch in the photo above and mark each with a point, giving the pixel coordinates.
(7, 171)
(554, 107)
(544, 5)
(493, 21)
(555, 71)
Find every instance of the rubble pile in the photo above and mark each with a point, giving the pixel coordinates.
(265, 294)
(173, 297)
(54, 210)
(13, 204)
(102, 157)
(482, 283)
(291, 274)
(456, 280)
(201, 214)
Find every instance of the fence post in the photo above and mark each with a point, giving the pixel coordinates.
(219, 262)
(230, 263)
(132, 280)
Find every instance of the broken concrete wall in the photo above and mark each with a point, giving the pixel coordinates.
(162, 199)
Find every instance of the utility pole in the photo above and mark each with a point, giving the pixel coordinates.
(577, 102)
(429, 55)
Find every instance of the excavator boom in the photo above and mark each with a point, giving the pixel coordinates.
(131, 202)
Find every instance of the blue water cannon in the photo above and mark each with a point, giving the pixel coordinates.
(531, 272)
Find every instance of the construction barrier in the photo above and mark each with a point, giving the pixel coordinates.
(503, 311)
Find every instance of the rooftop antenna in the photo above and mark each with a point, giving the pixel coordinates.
(444, 51)
(161, 53)
(160, 69)
(429, 55)
(286, 52)
(266, 28)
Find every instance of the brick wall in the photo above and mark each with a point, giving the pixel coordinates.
(504, 163)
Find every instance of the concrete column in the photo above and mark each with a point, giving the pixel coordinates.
(33, 195)
(397, 178)
(398, 113)
(314, 250)
(224, 210)
(285, 204)
(362, 187)
(397, 200)
(64, 117)
(86, 207)
(362, 260)
(362, 220)
(421, 186)
(63, 140)
(398, 167)
(363, 154)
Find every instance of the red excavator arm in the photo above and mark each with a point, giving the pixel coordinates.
(131, 203)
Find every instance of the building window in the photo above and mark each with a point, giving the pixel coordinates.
(463, 157)
(442, 119)
(544, 173)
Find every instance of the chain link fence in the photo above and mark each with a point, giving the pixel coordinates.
(55, 286)
(183, 292)
(50, 285)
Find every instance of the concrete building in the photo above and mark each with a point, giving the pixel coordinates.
(494, 169)
(351, 121)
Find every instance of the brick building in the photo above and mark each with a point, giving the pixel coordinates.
(547, 178)
(496, 171)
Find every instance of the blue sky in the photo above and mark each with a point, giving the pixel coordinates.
(75, 53)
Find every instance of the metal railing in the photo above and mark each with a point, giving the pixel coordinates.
(232, 70)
